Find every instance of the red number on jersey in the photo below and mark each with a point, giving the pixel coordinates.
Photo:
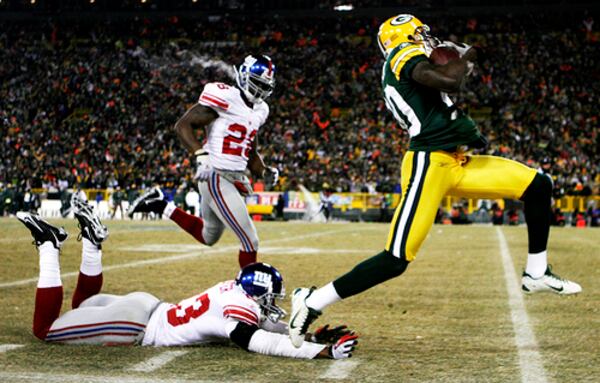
(220, 85)
(237, 143)
(233, 143)
(178, 315)
(250, 139)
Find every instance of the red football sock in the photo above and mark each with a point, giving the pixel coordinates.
(48, 301)
(189, 223)
(247, 257)
(86, 287)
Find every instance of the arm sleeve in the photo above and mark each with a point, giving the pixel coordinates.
(268, 343)
(279, 327)
(253, 339)
(240, 333)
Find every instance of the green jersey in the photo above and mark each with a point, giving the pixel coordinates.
(430, 117)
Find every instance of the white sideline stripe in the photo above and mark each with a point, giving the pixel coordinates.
(8, 347)
(158, 361)
(339, 369)
(201, 252)
(530, 360)
(19, 377)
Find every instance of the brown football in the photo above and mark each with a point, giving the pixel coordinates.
(442, 55)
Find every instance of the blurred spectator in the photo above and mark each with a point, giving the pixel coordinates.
(94, 102)
(497, 214)
(458, 215)
(117, 199)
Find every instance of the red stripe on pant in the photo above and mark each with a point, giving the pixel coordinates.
(240, 230)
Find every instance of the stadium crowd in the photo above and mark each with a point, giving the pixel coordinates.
(92, 104)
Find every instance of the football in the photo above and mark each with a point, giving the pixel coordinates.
(443, 55)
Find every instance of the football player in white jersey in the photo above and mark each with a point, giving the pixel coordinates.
(242, 310)
(231, 117)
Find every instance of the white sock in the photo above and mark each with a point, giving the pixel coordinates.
(49, 266)
(323, 297)
(169, 209)
(91, 258)
(537, 264)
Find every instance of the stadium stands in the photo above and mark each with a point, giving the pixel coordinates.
(92, 103)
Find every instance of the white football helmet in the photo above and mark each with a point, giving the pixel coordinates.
(256, 77)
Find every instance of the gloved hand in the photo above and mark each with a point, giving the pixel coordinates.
(203, 168)
(271, 176)
(344, 347)
(324, 334)
(462, 48)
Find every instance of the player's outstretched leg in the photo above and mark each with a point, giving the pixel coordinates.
(49, 292)
(308, 303)
(538, 276)
(153, 201)
(93, 233)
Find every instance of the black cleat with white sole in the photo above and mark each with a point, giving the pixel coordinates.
(41, 230)
(89, 223)
(152, 201)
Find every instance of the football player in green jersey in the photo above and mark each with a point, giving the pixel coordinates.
(438, 163)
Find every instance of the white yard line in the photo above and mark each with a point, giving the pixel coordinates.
(340, 369)
(157, 361)
(202, 252)
(530, 360)
(8, 347)
(20, 377)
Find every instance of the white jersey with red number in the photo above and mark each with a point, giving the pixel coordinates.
(232, 133)
(206, 317)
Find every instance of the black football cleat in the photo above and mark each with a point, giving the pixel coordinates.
(89, 223)
(152, 201)
(41, 230)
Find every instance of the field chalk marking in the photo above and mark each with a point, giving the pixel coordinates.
(157, 361)
(8, 347)
(340, 369)
(201, 252)
(530, 360)
(21, 377)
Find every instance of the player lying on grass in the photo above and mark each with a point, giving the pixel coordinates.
(438, 163)
(231, 117)
(242, 310)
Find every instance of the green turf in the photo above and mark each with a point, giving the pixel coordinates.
(446, 319)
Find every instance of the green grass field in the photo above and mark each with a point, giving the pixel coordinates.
(447, 319)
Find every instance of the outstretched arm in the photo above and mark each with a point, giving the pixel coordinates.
(252, 338)
(448, 77)
(195, 117)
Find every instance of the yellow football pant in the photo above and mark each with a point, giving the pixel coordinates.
(429, 176)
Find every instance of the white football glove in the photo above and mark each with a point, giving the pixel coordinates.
(271, 176)
(203, 168)
(344, 347)
(462, 48)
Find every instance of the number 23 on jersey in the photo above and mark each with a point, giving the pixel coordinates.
(238, 141)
